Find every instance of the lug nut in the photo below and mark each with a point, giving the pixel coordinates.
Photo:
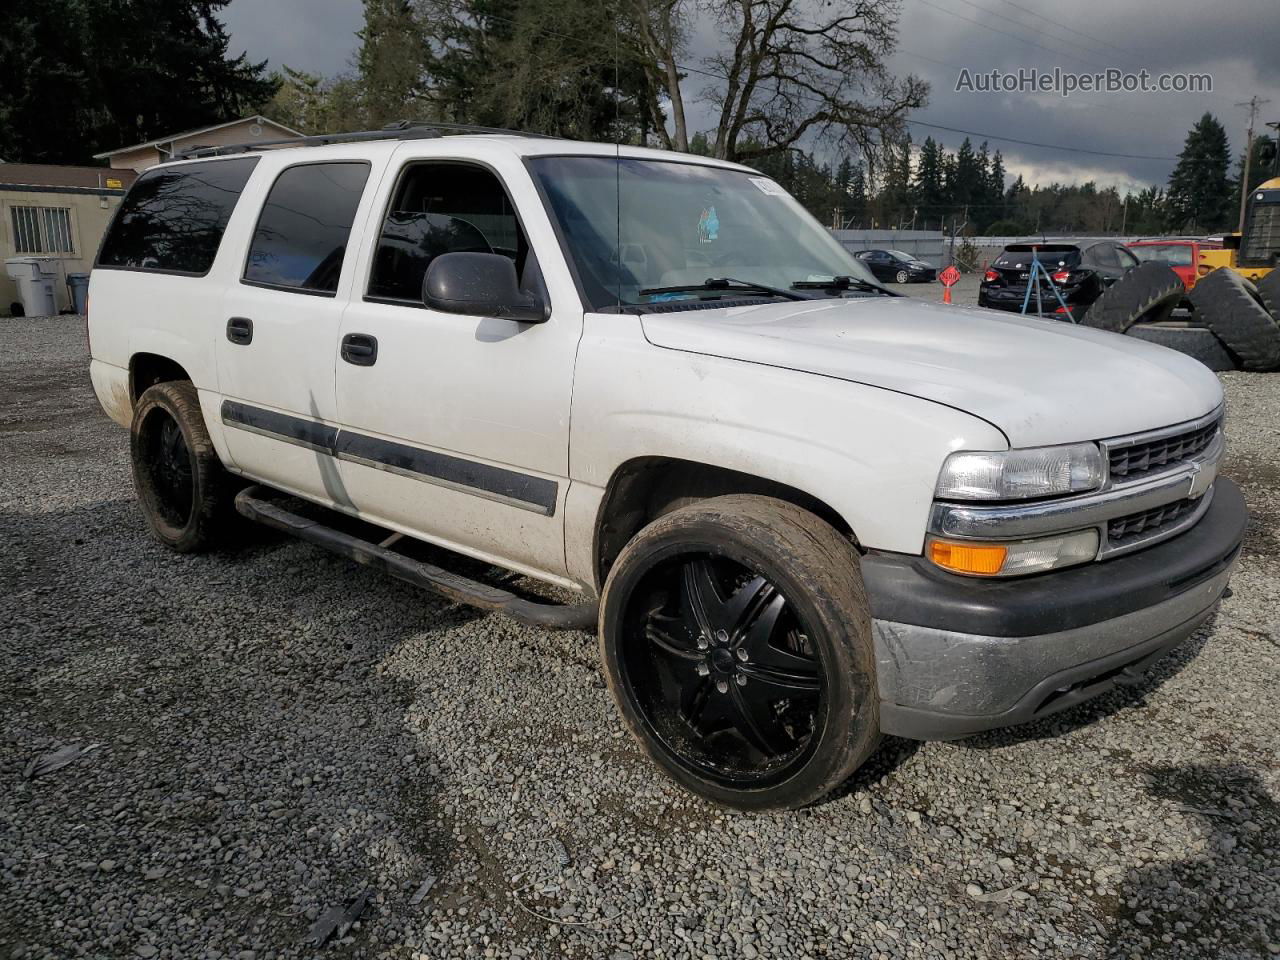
(702, 642)
(722, 636)
(741, 678)
(703, 669)
(722, 686)
(741, 653)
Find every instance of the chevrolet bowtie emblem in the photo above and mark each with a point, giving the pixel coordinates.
(1201, 481)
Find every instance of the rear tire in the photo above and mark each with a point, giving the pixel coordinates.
(1148, 292)
(185, 493)
(1193, 341)
(1230, 306)
(736, 640)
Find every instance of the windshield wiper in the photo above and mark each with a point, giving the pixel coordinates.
(841, 283)
(725, 283)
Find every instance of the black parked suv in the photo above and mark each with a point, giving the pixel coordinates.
(896, 267)
(1080, 271)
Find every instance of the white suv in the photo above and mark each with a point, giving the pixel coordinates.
(802, 509)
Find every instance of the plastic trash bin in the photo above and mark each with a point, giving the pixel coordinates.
(36, 278)
(78, 284)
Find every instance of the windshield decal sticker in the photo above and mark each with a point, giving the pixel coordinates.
(768, 186)
(708, 225)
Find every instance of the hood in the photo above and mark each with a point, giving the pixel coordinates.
(1038, 381)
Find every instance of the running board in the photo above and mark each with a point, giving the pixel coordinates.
(250, 503)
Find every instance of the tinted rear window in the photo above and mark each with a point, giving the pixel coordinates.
(173, 219)
(304, 226)
(1021, 259)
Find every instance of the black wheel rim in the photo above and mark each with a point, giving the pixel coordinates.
(722, 671)
(167, 460)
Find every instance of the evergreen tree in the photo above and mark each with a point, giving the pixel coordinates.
(391, 62)
(857, 195)
(993, 195)
(78, 77)
(1201, 197)
(969, 178)
(928, 189)
(897, 187)
(537, 65)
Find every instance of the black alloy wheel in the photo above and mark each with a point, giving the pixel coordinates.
(736, 639)
(722, 670)
(169, 461)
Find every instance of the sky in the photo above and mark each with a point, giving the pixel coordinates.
(1234, 41)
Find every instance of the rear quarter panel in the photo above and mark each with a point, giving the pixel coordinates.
(172, 315)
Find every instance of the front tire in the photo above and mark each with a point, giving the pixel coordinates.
(903, 277)
(185, 493)
(736, 640)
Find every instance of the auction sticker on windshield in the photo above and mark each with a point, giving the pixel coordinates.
(768, 186)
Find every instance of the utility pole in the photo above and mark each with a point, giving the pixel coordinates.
(1253, 103)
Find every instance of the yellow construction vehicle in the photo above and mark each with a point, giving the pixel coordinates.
(1254, 253)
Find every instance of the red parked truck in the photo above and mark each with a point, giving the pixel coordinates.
(1182, 254)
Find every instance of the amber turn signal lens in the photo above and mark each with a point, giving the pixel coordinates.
(967, 558)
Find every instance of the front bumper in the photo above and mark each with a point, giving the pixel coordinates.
(957, 655)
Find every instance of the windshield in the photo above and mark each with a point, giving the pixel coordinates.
(1174, 254)
(683, 224)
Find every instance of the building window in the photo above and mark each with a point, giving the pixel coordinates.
(42, 230)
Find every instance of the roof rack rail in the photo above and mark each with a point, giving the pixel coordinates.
(401, 130)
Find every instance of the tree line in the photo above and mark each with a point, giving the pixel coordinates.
(932, 188)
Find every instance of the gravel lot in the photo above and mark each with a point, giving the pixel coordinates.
(278, 730)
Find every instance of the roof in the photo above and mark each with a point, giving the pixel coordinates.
(197, 131)
(375, 143)
(58, 175)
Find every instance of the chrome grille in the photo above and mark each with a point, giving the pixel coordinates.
(1123, 530)
(1139, 459)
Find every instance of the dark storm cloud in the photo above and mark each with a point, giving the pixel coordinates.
(1235, 42)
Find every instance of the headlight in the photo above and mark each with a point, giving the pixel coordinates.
(1015, 557)
(1020, 474)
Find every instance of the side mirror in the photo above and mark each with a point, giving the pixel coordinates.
(480, 285)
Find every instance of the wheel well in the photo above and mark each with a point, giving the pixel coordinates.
(148, 369)
(644, 489)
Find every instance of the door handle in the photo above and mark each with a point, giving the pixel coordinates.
(240, 330)
(360, 349)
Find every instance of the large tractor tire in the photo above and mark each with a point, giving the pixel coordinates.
(1230, 306)
(1148, 292)
(1269, 292)
(1197, 342)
